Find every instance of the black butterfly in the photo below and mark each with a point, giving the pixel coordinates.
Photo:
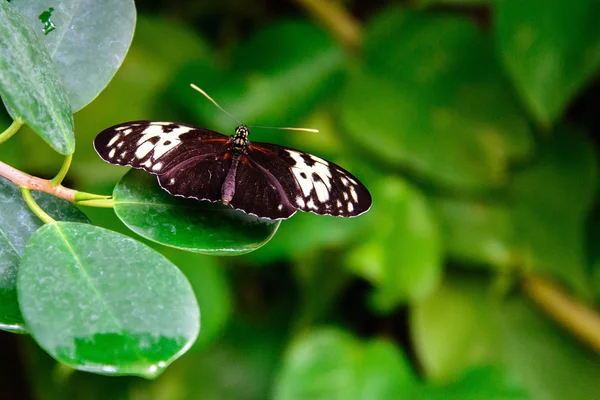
(261, 179)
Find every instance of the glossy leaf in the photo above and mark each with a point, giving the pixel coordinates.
(204, 227)
(453, 120)
(277, 76)
(134, 311)
(29, 82)
(17, 224)
(402, 257)
(88, 44)
(551, 50)
(330, 364)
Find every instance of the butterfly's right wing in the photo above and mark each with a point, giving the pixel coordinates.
(157, 147)
(189, 161)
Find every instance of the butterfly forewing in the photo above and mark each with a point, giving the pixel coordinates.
(311, 183)
(156, 146)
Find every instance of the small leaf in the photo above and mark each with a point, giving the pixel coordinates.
(88, 44)
(403, 255)
(17, 224)
(455, 329)
(200, 226)
(29, 82)
(100, 301)
(551, 50)
(477, 232)
(431, 98)
(330, 364)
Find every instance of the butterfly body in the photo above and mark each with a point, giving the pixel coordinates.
(261, 179)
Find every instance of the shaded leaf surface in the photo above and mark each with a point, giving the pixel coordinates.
(551, 50)
(89, 42)
(100, 301)
(279, 75)
(193, 225)
(402, 257)
(432, 68)
(29, 82)
(17, 224)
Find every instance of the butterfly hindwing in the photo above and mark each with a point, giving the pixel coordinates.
(199, 177)
(156, 146)
(311, 183)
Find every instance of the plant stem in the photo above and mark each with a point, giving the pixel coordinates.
(24, 180)
(34, 207)
(57, 180)
(337, 20)
(11, 130)
(580, 320)
(101, 203)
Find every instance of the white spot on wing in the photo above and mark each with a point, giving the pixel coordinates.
(300, 201)
(280, 207)
(306, 182)
(112, 153)
(157, 166)
(114, 139)
(350, 207)
(144, 149)
(353, 193)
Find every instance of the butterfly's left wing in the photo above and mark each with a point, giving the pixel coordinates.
(284, 179)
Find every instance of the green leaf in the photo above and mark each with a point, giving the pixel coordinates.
(455, 328)
(431, 98)
(89, 42)
(200, 226)
(330, 364)
(402, 256)
(17, 224)
(477, 232)
(551, 364)
(277, 76)
(100, 301)
(210, 284)
(29, 82)
(551, 50)
(552, 200)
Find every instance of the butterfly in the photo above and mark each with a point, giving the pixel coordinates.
(261, 179)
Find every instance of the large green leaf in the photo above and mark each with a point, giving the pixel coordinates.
(200, 226)
(29, 82)
(89, 42)
(551, 50)
(17, 224)
(402, 257)
(100, 301)
(277, 76)
(431, 98)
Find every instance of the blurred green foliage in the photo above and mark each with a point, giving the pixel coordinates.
(474, 125)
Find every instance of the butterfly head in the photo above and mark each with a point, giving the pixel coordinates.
(242, 131)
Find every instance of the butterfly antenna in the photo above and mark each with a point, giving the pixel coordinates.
(214, 102)
(286, 128)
